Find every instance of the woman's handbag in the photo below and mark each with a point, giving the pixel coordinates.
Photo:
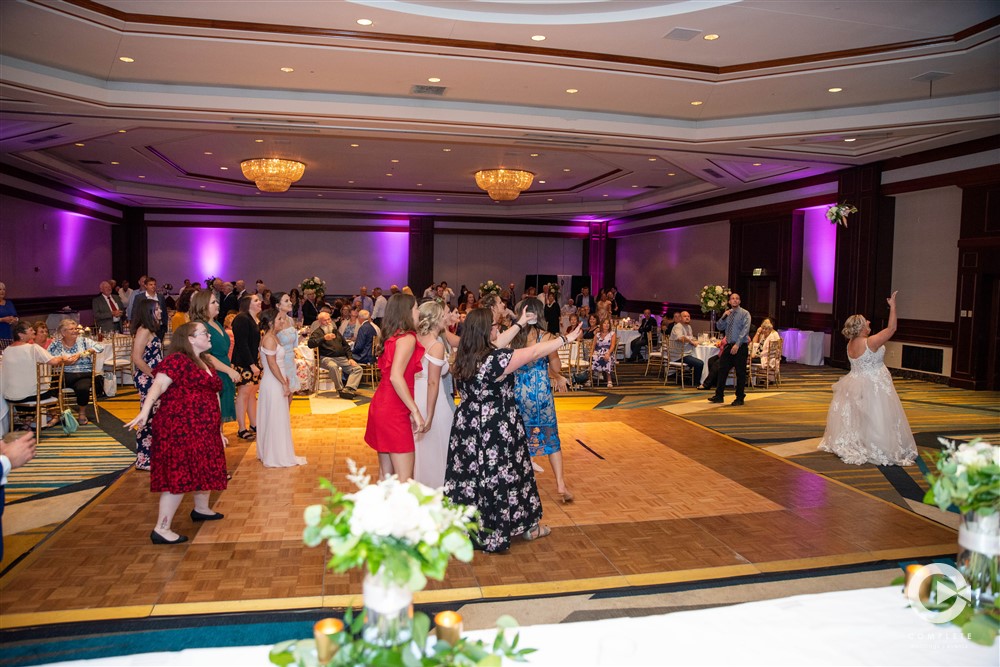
(69, 422)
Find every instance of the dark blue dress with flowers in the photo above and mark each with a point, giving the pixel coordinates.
(533, 391)
(152, 355)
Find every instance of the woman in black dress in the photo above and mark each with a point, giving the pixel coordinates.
(489, 465)
(246, 347)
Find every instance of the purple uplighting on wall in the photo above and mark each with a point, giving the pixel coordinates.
(211, 254)
(819, 241)
(70, 235)
(394, 250)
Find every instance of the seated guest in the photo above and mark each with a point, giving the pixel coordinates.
(647, 324)
(366, 334)
(469, 304)
(335, 356)
(574, 322)
(310, 309)
(349, 325)
(681, 333)
(18, 382)
(602, 360)
(766, 334)
(79, 354)
(590, 328)
(42, 337)
(108, 310)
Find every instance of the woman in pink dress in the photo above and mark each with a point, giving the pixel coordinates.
(393, 416)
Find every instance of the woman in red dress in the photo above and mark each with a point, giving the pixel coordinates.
(188, 452)
(393, 416)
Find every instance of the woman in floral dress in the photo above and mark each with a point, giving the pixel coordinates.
(603, 357)
(489, 465)
(147, 352)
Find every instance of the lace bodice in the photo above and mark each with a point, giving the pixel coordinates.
(288, 337)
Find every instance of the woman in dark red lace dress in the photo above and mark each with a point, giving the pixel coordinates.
(188, 448)
(393, 416)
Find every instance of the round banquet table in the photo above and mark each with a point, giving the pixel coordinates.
(705, 352)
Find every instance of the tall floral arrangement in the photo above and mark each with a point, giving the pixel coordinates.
(489, 287)
(314, 283)
(714, 298)
(554, 290)
(404, 531)
(838, 213)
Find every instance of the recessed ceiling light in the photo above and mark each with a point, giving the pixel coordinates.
(208, 152)
(354, 145)
(712, 37)
(567, 169)
(224, 168)
(446, 150)
(389, 174)
(435, 79)
(756, 164)
(365, 22)
(126, 59)
(548, 200)
(286, 70)
(79, 144)
(256, 193)
(538, 38)
(572, 91)
(394, 160)
(438, 199)
(671, 174)
(635, 186)
(834, 90)
(115, 162)
(319, 195)
(142, 177)
(258, 141)
(122, 131)
(697, 103)
(350, 182)
(651, 159)
(534, 155)
(420, 185)
(604, 195)
(543, 182)
(202, 187)
(849, 140)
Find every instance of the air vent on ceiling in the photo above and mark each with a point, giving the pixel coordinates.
(44, 140)
(713, 173)
(427, 90)
(931, 76)
(682, 34)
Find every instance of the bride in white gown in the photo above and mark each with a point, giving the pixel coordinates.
(274, 423)
(866, 422)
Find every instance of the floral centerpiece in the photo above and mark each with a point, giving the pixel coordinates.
(714, 298)
(403, 532)
(838, 213)
(489, 287)
(314, 283)
(554, 290)
(968, 477)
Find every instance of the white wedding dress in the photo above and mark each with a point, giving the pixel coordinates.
(866, 422)
(274, 423)
(432, 447)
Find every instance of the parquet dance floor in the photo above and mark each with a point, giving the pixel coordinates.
(658, 499)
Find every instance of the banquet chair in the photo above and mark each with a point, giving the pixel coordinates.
(568, 361)
(96, 375)
(653, 357)
(120, 361)
(771, 372)
(319, 372)
(46, 377)
(4, 343)
(675, 348)
(370, 371)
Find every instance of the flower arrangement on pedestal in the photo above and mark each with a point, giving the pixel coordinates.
(554, 290)
(314, 283)
(838, 213)
(489, 287)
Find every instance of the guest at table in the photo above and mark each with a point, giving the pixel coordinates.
(684, 344)
(147, 353)
(183, 307)
(574, 322)
(8, 314)
(296, 299)
(349, 323)
(188, 446)
(78, 370)
(228, 303)
(362, 351)
(108, 310)
(336, 357)
(42, 337)
(20, 361)
(125, 293)
(602, 360)
(618, 302)
(591, 326)
(378, 310)
(204, 308)
(647, 325)
(310, 309)
(760, 345)
(735, 326)
(489, 465)
(468, 304)
(866, 422)
(246, 362)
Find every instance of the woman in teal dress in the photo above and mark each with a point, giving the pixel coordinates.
(204, 309)
(533, 392)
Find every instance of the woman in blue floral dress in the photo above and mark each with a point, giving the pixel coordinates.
(147, 352)
(489, 465)
(533, 391)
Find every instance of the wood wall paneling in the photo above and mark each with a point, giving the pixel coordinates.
(420, 270)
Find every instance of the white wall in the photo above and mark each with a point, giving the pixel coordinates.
(673, 264)
(345, 260)
(925, 253)
(472, 259)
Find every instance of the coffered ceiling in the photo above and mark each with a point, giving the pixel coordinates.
(205, 89)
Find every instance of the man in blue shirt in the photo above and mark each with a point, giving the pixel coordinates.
(735, 326)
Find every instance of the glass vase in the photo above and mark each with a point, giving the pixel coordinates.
(979, 556)
(388, 611)
(711, 324)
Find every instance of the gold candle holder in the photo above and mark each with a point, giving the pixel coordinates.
(448, 626)
(323, 633)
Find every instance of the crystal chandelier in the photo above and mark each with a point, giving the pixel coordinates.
(504, 184)
(272, 174)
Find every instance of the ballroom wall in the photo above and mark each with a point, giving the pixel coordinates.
(51, 252)
(673, 265)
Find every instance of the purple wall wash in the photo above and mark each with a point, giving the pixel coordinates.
(819, 255)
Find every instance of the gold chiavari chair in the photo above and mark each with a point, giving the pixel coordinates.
(48, 395)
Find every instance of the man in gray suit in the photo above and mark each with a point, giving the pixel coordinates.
(108, 310)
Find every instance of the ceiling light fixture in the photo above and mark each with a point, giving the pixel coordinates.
(504, 184)
(711, 37)
(697, 103)
(114, 162)
(538, 38)
(850, 140)
(365, 22)
(434, 79)
(80, 145)
(272, 174)
(756, 164)
(834, 90)
(122, 131)
(287, 70)
(126, 59)
(572, 91)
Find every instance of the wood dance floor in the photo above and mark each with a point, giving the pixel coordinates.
(658, 500)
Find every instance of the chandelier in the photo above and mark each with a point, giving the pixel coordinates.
(272, 174)
(504, 184)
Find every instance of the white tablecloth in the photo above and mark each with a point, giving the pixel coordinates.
(803, 347)
(864, 627)
(626, 336)
(705, 352)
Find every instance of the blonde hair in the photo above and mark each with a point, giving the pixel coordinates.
(853, 327)
(431, 316)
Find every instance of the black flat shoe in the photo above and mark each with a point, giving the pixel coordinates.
(198, 516)
(156, 538)
(738, 402)
(246, 435)
(715, 399)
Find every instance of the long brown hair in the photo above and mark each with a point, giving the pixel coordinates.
(398, 318)
(200, 302)
(474, 345)
(529, 334)
(180, 343)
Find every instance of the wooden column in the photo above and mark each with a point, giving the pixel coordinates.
(129, 247)
(863, 273)
(599, 257)
(420, 267)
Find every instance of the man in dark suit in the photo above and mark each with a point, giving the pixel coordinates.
(108, 309)
(228, 303)
(646, 325)
(584, 298)
(362, 350)
(617, 302)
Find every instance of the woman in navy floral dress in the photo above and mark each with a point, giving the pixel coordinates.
(147, 352)
(188, 452)
(488, 461)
